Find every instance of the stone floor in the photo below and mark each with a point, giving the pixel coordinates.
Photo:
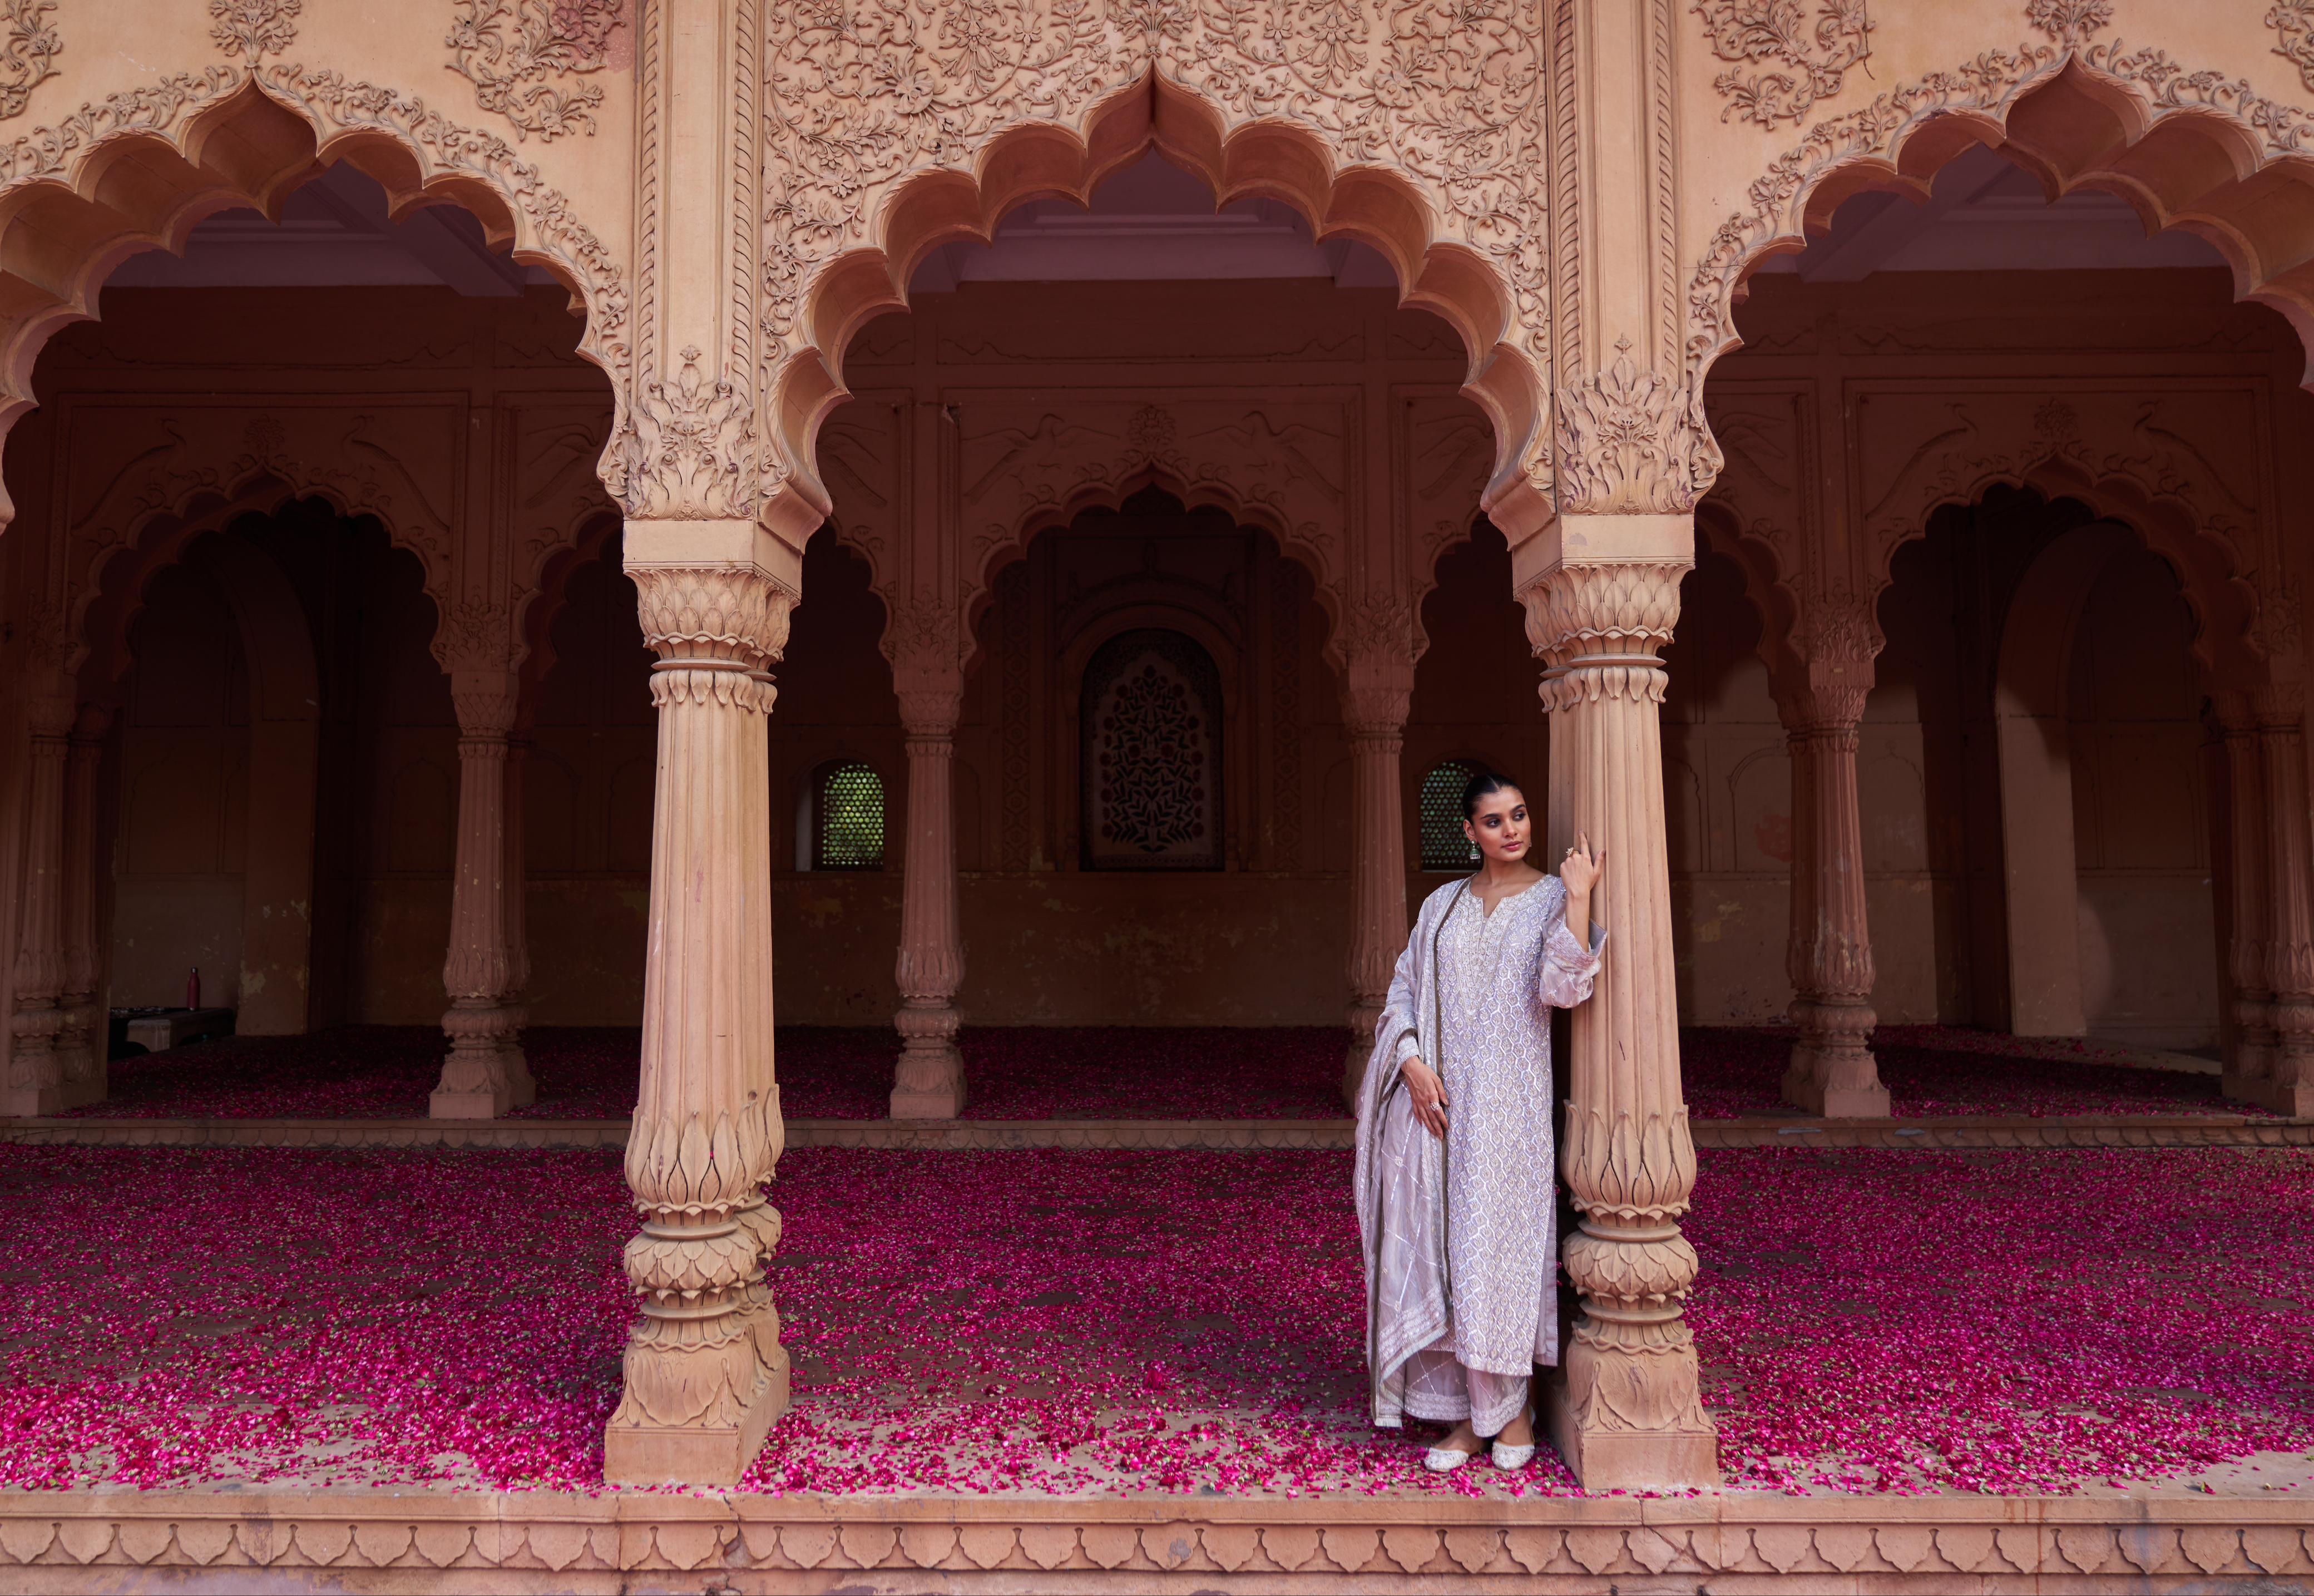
(1024, 1073)
(1101, 1324)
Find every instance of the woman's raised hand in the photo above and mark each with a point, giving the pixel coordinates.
(1580, 869)
(1425, 1094)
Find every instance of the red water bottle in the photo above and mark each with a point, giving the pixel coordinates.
(193, 988)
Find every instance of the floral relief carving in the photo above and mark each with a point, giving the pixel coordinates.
(29, 47)
(1632, 441)
(1811, 62)
(253, 29)
(862, 92)
(2293, 22)
(509, 48)
(689, 450)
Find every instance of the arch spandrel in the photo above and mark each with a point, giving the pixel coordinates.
(898, 126)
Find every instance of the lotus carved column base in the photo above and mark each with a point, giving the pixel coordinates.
(929, 1082)
(701, 1397)
(1626, 1411)
(484, 1074)
(1833, 1072)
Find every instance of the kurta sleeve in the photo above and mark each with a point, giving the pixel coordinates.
(1567, 971)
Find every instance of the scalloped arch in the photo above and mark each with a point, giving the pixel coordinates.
(140, 170)
(1266, 158)
(2224, 602)
(2191, 151)
(1103, 492)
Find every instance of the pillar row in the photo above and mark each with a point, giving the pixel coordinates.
(1629, 1411)
(928, 1081)
(484, 1074)
(705, 1375)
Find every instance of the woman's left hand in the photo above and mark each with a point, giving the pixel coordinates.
(1581, 871)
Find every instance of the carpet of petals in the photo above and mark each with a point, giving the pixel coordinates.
(1024, 1073)
(1073, 1321)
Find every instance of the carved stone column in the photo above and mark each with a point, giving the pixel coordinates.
(82, 1041)
(1829, 956)
(1628, 1412)
(485, 1019)
(35, 1075)
(1380, 686)
(2281, 710)
(2248, 1072)
(705, 1374)
(929, 1083)
(518, 914)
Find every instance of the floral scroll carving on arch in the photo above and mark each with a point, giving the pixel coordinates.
(2185, 513)
(1810, 63)
(247, 136)
(509, 48)
(899, 126)
(2175, 142)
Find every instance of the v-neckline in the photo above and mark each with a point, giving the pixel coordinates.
(1487, 910)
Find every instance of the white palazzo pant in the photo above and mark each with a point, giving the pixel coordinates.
(1440, 1387)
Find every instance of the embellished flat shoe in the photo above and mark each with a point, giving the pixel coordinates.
(1446, 1459)
(1513, 1458)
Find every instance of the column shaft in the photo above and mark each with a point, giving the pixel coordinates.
(1829, 957)
(1376, 717)
(929, 1082)
(705, 1376)
(484, 1021)
(2290, 900)
(35, 1078)
(81, 1038)
(1629, 1411)
(2248, 1072)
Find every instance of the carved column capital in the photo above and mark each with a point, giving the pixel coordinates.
(1598, 627)
(930, 711)
(694, 615)
(487, 700)
(2277, 705)
(1837, 646)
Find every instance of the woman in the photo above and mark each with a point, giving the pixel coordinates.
(1456, 1203)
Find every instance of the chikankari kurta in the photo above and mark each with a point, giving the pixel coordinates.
(1460, 1251)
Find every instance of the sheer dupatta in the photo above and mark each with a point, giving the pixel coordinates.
(1401, 1176)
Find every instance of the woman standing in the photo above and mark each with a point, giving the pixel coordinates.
(1457, 1205)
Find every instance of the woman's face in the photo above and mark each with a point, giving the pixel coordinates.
(1499, 826)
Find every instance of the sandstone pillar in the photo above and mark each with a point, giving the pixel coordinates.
(2280, 709)
(1829, 956)
(81, 1038)
(716, 578)
(2248, 1072)
(1628, 1412)
(480, 1075)
(929, 1083)
(1374, 711)
(705, 1374)
(35, 1073)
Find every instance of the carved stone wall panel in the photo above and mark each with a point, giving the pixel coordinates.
(1444, 447)
(553, 489)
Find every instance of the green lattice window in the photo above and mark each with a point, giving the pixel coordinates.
(1443, 845)
(847, 819)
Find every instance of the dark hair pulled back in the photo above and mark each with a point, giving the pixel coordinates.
(1481, 785)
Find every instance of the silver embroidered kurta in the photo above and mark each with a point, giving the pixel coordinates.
(1459, 1236)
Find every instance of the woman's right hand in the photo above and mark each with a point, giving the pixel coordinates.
(1426, 1095)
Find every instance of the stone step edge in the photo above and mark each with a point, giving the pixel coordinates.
(1975, 1131)
(549, 1541)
